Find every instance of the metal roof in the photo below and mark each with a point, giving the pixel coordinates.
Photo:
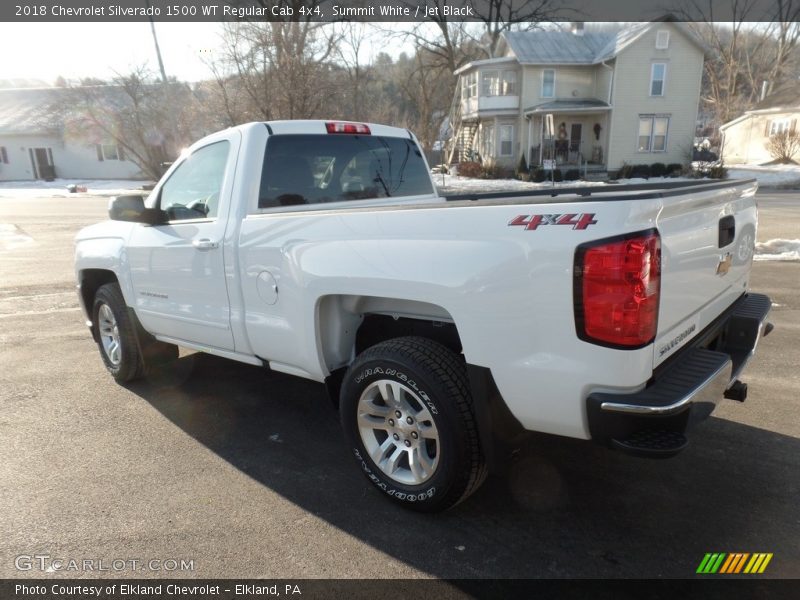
(26, 111)
(539, 47)
(556, 47)
(787, 96)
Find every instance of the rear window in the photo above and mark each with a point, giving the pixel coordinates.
(310, 169)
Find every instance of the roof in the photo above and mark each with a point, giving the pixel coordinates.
(24, 111)
(556, 47)
(785, 99)
(538, 47)
(786, 96)
(585, 104)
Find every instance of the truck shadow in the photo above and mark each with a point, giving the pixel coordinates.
(561, 508)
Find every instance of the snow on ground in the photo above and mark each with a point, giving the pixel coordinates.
(58, 187)
(778, 250)
(12, 237)
(454, 184)
(768, 175)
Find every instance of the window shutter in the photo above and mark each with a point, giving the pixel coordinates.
(99, 149)
(120, 153)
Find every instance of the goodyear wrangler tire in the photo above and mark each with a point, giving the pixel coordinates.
(127, 350)
(116, 334)
(407, 414)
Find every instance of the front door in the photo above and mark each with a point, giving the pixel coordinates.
(43, 167)
(575, 135)
(178, 269)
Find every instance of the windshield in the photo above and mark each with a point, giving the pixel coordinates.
(310, 169)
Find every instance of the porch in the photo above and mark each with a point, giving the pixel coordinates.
(579, 139)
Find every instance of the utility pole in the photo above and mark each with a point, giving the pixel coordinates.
(155, 40)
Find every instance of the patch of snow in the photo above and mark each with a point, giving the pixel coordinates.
(58, 187)
(778, 249)
(12, 237)
(455, 184)
(767, 175)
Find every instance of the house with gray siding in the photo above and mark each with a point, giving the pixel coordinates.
(627, 97)
(35, 144)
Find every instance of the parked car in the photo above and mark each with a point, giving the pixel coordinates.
(440, 325)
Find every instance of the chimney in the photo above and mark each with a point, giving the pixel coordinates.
(577, 28)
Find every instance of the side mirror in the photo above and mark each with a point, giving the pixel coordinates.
(132, 209)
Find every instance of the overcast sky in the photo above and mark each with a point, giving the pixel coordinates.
(46, 50)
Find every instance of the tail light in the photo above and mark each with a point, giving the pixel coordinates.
(617, 289)
(344, 127)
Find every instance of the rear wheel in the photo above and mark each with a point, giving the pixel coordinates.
(122, 342)
(407, 413)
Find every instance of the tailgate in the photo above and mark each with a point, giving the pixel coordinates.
(707, 240)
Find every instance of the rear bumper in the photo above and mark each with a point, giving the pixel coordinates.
(653, 421)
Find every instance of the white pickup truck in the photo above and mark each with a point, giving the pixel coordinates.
(441, 325)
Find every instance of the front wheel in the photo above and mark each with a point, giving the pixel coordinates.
(122, 342)
(407, 414)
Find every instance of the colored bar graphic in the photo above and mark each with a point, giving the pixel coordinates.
(741, 562)
(732, 563)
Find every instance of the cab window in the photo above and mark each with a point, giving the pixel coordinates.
(193, 189)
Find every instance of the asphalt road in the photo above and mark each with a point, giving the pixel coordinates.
(246, 473)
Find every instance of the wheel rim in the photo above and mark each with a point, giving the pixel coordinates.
(109, 334)
(398, 432)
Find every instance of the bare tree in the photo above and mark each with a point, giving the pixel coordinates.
(784, 146)
(427, 96)
(149, 120)
(355, 37)
(742, 55)
(499, 16)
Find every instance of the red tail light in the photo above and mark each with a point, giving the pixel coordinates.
(617, 289)
(342, 127)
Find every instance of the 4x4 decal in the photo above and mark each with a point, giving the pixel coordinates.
(531, 222)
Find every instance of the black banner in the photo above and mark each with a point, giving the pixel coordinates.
(382, 10)
(393, 589)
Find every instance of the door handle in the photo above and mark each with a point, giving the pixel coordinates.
(205, 244)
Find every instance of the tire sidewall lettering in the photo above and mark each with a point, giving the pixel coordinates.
(403, 378)
(393, 492)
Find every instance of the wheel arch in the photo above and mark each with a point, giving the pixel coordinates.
(348, 324)
(89, 281)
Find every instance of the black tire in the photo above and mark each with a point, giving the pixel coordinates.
(139, 352)
(437, 376)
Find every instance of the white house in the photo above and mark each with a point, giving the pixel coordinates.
(628, 97)
(744, 140)
(33, 145)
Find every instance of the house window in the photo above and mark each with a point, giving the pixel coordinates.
(548, 83)
(470, 87)
(490, 83)
(662, 40)
(658, 74)
(499, 83)
(506, 139)
(488, 140)
(778, 126)
(3, 155)
(509, 87)
(109, 152)
(653, 133)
